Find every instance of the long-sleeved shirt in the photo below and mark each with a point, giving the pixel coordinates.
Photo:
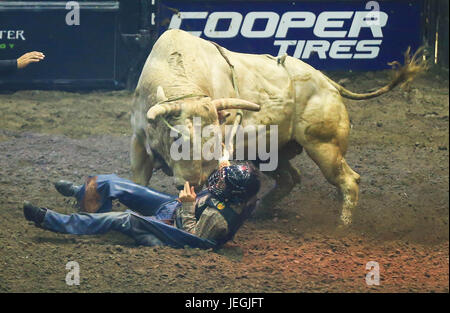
(8, 66)
(211, 224)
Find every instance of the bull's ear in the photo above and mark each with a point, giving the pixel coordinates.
(234, 103)
(160, 96)
(223, 115)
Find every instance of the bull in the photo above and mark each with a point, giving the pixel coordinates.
(186, 77)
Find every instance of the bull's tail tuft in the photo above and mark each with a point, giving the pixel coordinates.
(401, 75)
(414, 65)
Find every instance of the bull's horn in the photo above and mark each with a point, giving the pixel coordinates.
(160, 95)
(163, 109)
(234, 103)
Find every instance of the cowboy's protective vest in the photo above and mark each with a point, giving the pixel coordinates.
(234, 220)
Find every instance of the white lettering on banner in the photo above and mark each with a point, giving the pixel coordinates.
(372, 46)
(318, 46)
(284, 45)
(287, 21)
(360, 21)
(328, 24)
(368, 49)
(339, 47)
(233, 28)
(325, 21)
(175, 22)
(298, 49)
(271, 25)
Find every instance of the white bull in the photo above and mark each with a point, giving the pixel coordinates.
(306, 105)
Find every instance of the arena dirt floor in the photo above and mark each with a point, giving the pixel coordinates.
(399, 144)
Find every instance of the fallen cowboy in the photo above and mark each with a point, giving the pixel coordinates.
(205, 220)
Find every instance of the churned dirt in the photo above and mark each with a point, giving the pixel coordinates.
(399, 144)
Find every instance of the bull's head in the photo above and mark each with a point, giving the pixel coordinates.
(162, 118)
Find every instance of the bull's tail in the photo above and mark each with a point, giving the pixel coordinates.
(402, 75)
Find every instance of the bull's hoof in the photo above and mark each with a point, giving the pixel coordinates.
(344, 224)
(345, 220)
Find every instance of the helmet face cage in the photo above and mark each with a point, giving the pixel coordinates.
(234, 183)
(217, 184)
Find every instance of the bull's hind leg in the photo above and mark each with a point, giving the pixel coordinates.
(330, 159)
(323, 131)
(141, 163)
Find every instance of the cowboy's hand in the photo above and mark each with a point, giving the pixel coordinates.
(187, 194)
(30, 57)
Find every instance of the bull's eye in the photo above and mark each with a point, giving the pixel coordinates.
(177, 137)
(184, 136)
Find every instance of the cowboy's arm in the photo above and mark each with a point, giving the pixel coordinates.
(211, 224)
(186, 213)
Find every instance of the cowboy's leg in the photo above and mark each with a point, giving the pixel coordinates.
(100, 223)
(86, 223)
(141, 234)
(102, 189)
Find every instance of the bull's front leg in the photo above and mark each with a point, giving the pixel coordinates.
(141, 162)
(286, 176)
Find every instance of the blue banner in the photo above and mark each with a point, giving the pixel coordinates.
(344, 35)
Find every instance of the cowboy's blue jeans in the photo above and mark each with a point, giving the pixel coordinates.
(146, 201)
(136, 197)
